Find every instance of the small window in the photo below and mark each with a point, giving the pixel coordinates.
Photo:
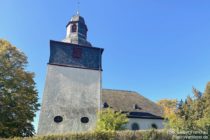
(58, 119)
(74, 28)
(84, 119)
(136, 107)
(105, 105)
(154, 126)
(77, 52)
(135, 126)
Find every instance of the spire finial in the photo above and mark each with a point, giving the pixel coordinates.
(78, 4)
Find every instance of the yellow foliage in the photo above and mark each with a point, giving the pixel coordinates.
(168, 106)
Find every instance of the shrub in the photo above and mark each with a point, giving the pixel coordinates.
(110, 120)
(107, 135)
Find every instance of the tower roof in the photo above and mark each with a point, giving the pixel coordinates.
(76, 18)
(76, 31)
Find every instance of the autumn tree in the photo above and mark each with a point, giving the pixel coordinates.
(169, 107)
(108, 119)
(191, 114)
(195, 111)
(18, 95)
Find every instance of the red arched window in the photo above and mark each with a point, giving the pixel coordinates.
(74, 28)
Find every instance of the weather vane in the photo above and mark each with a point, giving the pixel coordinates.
(78, 4)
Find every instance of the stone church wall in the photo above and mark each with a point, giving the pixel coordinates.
(144, 123)
(71, 93)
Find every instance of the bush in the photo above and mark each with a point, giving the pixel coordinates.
(110, 120)
(107, 135)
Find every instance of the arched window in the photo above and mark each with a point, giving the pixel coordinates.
(154, 126)
(105, 105)
(74, 28)
(135, 126)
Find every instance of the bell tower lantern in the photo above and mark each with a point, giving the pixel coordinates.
(76, 31)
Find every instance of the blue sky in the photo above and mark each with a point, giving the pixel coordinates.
(157, 48)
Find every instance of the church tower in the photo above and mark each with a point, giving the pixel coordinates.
(72, 90)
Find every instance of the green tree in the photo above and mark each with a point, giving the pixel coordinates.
(204, 120)
(18, 96)
(194, 113)
(187, 113)
(198, 105)
(108, 119)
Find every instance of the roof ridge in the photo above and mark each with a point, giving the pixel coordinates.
(120, 90)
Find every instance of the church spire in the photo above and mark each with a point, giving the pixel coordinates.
(78, 6)
(76, 31)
